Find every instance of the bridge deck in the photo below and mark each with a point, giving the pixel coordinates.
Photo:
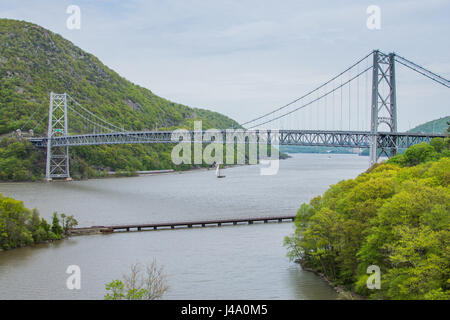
(187, 224)
(359, 139)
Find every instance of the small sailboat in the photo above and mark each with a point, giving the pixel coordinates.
(218, 175)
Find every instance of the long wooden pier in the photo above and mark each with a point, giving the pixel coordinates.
(182, 224)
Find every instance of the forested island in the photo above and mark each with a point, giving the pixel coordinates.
(20, 227)
(396, 215)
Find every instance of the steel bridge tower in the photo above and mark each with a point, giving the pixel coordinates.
(384, 106)
(57, 157)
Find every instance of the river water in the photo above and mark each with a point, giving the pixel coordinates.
(228, 262)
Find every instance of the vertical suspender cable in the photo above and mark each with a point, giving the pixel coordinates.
(357, 102)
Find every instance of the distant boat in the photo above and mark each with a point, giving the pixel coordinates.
(218, 171)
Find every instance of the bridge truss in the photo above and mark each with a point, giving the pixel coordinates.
(363, 139)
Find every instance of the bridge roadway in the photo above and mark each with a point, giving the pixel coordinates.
(352, 139)
(184, 224)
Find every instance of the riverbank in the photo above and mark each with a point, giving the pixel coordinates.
(344, 294)
(128, 174)
(123, 174)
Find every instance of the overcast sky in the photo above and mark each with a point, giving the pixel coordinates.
(246, 57)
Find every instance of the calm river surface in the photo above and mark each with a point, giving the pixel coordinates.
(230, 262)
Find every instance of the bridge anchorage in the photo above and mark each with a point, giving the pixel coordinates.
(372, 118)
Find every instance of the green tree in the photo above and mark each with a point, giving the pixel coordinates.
(437, 144)
(56, 227)
(68, 222)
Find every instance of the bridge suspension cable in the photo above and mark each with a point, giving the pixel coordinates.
(32, 118)
(94, 124)
(101, 124)
(310, 102)
(423, 71)
(351, 97)
(305, 95)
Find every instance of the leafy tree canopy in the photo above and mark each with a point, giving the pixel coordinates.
(396, 216)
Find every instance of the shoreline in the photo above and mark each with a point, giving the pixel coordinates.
(162, 171)
(343, 294)
(131, 175)
(110, 176)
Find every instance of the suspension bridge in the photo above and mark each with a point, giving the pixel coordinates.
(356, 108)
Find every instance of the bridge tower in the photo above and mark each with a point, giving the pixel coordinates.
(57, 157)
(384, 105)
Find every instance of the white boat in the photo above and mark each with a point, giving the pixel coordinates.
(218, 171)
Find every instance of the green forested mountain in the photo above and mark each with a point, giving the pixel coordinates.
(434, 126)
(35, 61)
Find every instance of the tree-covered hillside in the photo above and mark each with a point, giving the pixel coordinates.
(395, 216)
(440, 125)
(434, 126)
(35, 61)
